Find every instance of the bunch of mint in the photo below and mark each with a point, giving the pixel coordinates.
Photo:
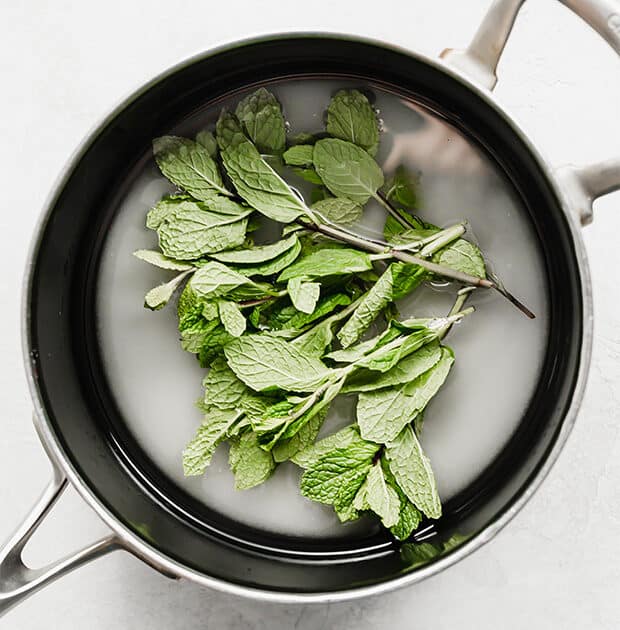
(284, 326)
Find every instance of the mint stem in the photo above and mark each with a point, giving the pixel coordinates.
(392, 210)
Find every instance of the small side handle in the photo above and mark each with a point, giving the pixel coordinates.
(17, 580)
(479, 62)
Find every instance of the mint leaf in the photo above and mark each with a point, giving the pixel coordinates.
(156, 215)
(351, 117)
(325, 306)
(314, 341)
(215, 279)
(402, 188)
(304, 295)
(299, 155)
(258, 253)
(412, 470)
(161, 261)
(231, 317)
(309, 174)
(397, 280)
(250, 464)
(304, 438)
(379, 497)
(328, 262)
(158, 297)
(382, 414)
(256, 182)
(312, 454)
(339, 210)
(409, 516)
(207, 140)
(188, 165)
(337, 476)
(405, 371)
(347, 170)
(215, 427)
(462, 255)
(261, 117)
(189, 232)
(267, 363)
(223, 389)
(275, 265)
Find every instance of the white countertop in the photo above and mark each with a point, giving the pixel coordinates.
(65, 64)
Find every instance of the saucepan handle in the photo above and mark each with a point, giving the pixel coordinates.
(479, 62)
(17, 580)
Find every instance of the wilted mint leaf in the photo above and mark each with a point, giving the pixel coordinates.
(464, 256)
(159, 296)
(159, 260)
(258, 253)
(402, 188)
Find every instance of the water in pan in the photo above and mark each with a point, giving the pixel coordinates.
(498, 351)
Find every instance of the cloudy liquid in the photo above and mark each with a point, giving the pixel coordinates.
(499, 352)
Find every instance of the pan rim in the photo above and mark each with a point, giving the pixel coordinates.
(137, 546)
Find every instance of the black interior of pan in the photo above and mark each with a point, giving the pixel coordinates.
(68, 369)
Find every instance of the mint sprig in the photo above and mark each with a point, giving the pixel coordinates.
(283, 325)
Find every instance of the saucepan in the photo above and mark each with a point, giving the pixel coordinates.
(146, 515)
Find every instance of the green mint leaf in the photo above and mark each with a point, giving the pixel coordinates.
(216, 279)
(409, 516)
(382, 414)
(397, 280)
(188, 233)
(348, 513)
(410, 236)
(412, 470)
(341, 439)
(159, 296)
(299, 155)
(327, 262)
(275, 265)
(402, 188)
(207, 140)
(232, 318)
(250, 464)
(256, 182)
(258, 254)
(304, 295)
(405, 371)
(215, 427)
(267, 363)
(351, 117)
(338, 210)
(325, 306)
(308, 174)
(304, 438)
(188, 165)
(261, 116)
(347, 170)
(161, 261)
(223, 389)
(464, 256)
(210, 310)
(418, 424)
(337, 476)
(314, 341)
(156, 215)
(380, 497)
(354, 353)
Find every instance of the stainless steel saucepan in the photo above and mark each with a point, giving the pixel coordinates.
(75, 414)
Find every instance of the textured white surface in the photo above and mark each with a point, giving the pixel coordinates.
(64, 64)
